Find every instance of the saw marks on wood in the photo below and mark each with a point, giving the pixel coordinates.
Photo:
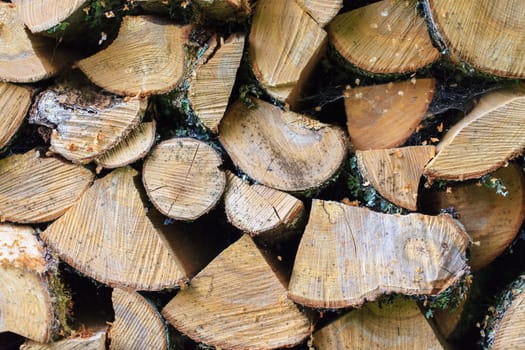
(14, 104)
(238, 302)
(323, 11)
(509, 328)
(41, 15)
(395, 173)
(96, 341)
(349, 255)
(283, 150)
(35, 189)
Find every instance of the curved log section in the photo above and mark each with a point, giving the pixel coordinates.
(15, 102)
(95, 341)
(323, 11)
(41, 15)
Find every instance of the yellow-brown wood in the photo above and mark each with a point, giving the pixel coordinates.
(487, 35)
(395, 173)
(446, 321)
(511, 322)
(385, 37)
(224, 10)
(41, 15)
(183, 179)
(14, 101)
(491, 219)
(349, 255)
(491, 134)
(384, 116)
(238, 302)
(280, 149)
(400, 325)
(138, 325)
(147, 57)
(323, 11)
(285, 45)
(96, 341)
(261, 211)
(36, 189)
(212, 85)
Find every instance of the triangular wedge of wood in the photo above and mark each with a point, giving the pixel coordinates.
(15, 101)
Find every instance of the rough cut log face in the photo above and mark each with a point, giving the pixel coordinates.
(323, 11)
(147, 57)
(510, 322)
(237, 302)
(385, 37)
(28, 182)
(484, 140)
(384, 116)
(488, 35)
(349, 255)
(96, 341)
(41, 15)
(282, 150)
(14, 101)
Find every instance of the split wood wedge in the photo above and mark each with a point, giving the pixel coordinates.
(238, 302)
(41, 15)
(36, 189)
(349, 255)
(280, 149)
(386, 37)
(490, 135)
(94, 341)
(147, 57)
(14, 103)
(395, 173)
(323, 11)
(384, 116)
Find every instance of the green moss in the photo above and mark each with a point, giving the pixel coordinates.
(450, 299)
(61, 300)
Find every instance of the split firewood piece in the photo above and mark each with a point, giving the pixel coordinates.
(41, 15)
(285, 45)
(183, 179)
(395, 173)
(147, 57)
(33, 301)
(261, 211)
(484, 140)
(477, 34)
(349, 255)
(238, 302)
(491, 219)
(14, 101)
(281, 149)
(386, 37)
(135, 316)
(212, 85)
(224, 10)
(132, 148)
(109, 236)
(397, 325)
(26, 58)
(322, 11)
(35, 189)
(86, 123)
(384, 116)
(91, 341)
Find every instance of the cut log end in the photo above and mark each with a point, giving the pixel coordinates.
(42, 15)
(15, 101)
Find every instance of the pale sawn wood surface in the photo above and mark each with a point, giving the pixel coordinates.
(41, 15)
(97, 341)
(323, 11)
(15, 101)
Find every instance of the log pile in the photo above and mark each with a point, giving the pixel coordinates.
(195, 166)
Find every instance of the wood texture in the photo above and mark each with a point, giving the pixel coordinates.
(385, 37)
(490, 135)
(183, 179)
(283, 150)
(237, 302)
(41, 15)
(349, 255)
(447, 321)
(96, 341)
(323, 11)
(384, 116)
(212, 85)
(14, 101)
(35, 189)
(395, 173)
(261, 211)
(147, 57)
(138, 325)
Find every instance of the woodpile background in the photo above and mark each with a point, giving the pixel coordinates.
(241, 174)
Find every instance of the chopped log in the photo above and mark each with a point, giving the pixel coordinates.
(395, 173)
(86, 123)
(224, 10)
(285, 45)
(384, 116)
(41, 15)
(32, 304)
(477, 35)
(135, 316)
(91, 341)
(147, 57)
(349, 255)
(238, 302)
(260, 211)
(385, 326)
(491, 219)
(26, 58)
(322, 11)
(35, 189)
(15, 101)
(281, 149)
(446, 321)
(212, 85)
(386, 37)
(491, 134)
(132, 148)
(182, 178)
